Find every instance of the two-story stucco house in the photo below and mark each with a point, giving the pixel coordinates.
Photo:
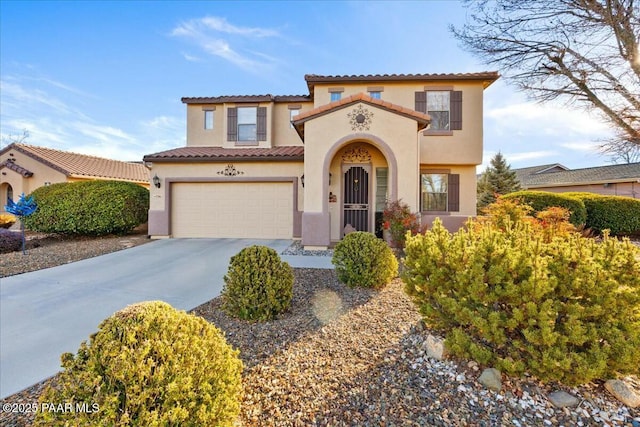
(265, 166)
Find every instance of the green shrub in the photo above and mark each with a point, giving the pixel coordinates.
(9, 241)
(541, 200)
(566, 309)
(149, 365)
(620, 215)
(258, 285)
(90, 208)
(361, 259)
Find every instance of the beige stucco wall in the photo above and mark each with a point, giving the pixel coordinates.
(626, 189)
(460, 146)
(283, 133)
(393, 136)
(210, 170)
(279, 131)
(42, 175)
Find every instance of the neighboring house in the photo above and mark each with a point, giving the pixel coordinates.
(267, 166)
(613, 180)
(23, 168)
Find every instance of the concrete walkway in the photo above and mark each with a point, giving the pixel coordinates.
(48, 312)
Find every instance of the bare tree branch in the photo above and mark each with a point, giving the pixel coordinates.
(585, 52)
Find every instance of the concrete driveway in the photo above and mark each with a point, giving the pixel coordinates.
(48, 312)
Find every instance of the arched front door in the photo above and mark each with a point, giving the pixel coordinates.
(356, 196)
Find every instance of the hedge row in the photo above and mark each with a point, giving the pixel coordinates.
(541, 200)
(620, 215)
(90, 208)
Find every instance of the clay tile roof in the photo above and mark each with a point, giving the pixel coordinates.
(487, 77)
(245, 98)
(16, 168)
(422, 118)
(83, 166)
(219, 154)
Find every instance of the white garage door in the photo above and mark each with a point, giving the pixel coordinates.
(262, 210)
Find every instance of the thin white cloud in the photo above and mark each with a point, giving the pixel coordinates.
(221, 25)
(214, 36)
(56, 124)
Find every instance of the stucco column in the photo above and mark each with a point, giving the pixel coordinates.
(316, 222)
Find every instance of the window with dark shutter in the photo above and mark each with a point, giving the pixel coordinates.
(262, 124)
(421, 102)
(453, 204)
(232, 124)
(456, 110)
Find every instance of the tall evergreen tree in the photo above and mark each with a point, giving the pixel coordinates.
(498, 179)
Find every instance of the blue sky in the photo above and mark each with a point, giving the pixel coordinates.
(106, 78)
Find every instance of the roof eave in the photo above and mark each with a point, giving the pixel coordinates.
(226, 159)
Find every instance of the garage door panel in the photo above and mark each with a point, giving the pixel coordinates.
(232, 210)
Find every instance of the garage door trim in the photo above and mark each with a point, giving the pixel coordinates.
(297, 215)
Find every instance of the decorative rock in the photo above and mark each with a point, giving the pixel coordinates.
(562, 399)
(491, 379)
(621, 391)
(434, 347)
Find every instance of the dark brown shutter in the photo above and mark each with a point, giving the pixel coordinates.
(454, 193)
(456, 110)
(262, 124)
(421, 102)
(232, 124)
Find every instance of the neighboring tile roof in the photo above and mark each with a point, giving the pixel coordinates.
(16, 168)
(246, 98)
(487, 77)
(422, 118)
(219, 154)
(83, 166)
(593, 175)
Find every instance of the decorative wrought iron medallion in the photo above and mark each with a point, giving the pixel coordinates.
(230, 170)
(360, 118)
(356, 155)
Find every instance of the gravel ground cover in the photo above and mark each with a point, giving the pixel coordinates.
(50, 250)
(355, 357)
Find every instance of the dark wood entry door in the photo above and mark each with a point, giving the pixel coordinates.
(356, 198)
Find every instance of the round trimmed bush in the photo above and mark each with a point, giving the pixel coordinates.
(542, 200)
(620, 215)
(258, 285)
(9, 241)
(149, 364)
(361, 259)
(91, 208)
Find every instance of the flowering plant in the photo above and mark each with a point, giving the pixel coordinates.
(398, 219)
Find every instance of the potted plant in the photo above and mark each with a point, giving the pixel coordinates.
(397, 219)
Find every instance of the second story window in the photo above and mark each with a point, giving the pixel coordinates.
(247, 124)
(208, 119)
(376, 94)
(444, 107)
(336, 96)
(438, 108)
(292, 115)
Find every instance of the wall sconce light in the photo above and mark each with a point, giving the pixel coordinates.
(156, 181)
(302, 180)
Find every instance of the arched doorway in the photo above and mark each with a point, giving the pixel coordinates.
(358, 195)
(6, 194)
